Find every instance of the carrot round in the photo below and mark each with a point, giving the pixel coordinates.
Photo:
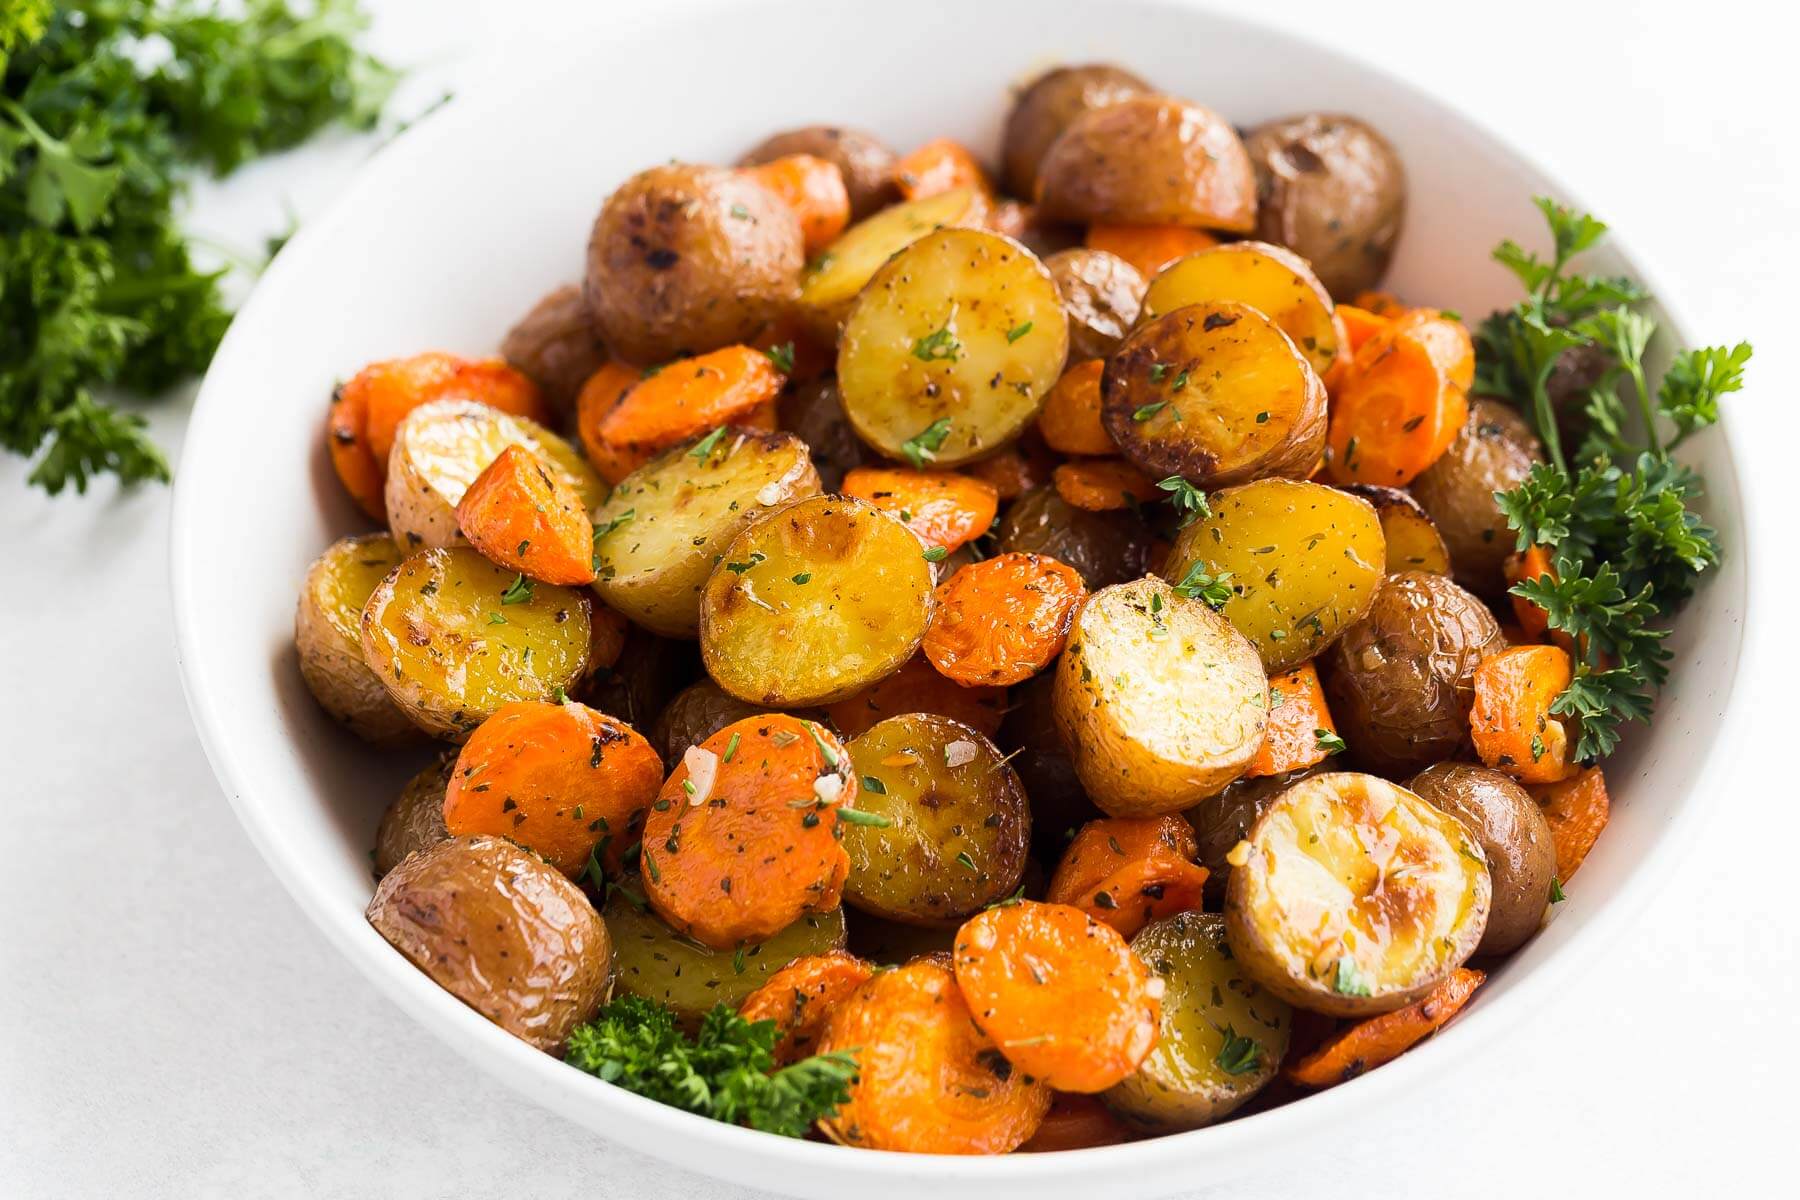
(929, 1081)
(1149, 248)
(524, 516)
(601, 394)
(1062, 995)
(800, 996)
(1300, 725)
(1076, 1122)
(814, 189)
(1577, 810)
(1360, 325)
(1397, 410)
(1382, 304)
(919, 687)
(940, 165)
(1103, 484)
(1511, 721)
(389, 390)
(1070, 421)
(1130, 871)
(556, 778)
(1015, 470)
(1533, 563)
(1368, 1044)
(347, 437)
(1002, 620)
(1448, 342)
(686, 398)
(742, 841)
(944, 508)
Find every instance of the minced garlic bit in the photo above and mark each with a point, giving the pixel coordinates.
(769, 495)
(958, 753)
(828, 788)
(1239, 854)
(702, 768)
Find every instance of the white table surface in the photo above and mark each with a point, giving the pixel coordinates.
(171, 1025)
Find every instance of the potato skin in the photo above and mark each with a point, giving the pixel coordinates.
(1513, 834)
(1333, 190)
(555, 347)
(1046, 107)
(1105, 548)
(501, 931)
(328, 638)
(671, 269)
(1401, 680)
(814, 413)
(865, 160)
(1413, 540)
(1225, 818)
(1059, 804)
(649, 672)
(415, 820)
(698, 711)
(1493, 452)
(1101, 293)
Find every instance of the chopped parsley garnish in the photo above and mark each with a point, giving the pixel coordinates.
(1145, 412)
(1197, 584)
(856, 816)
(872, 784)
(1017, 332)
(738, 568)
(1157, 371)
(940, 345)
(923, 444)
(1239, 1055)
(517, 592)
(601, 531)
(705, 445)
(1188, 500)
(1556, 892)
(1329, 742)
(964, 861)
(803, 577)
(782, 356)
(1349, 981)
(731, 747)
(935, 554)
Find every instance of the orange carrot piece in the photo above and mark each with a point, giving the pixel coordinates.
(1378, 1040)
(1070, 421)
(1061, 994)
(1577, 810)
(1511, 722)
(392, 389)
(1002, 620)
(1382, 304)
(523, 515)
(1533, 563)
(1103, 484)
(944, 508)
(346, 434)
(814, 189)
(1149, 248)
(1360, 325)
(602, 393)
(1076, 1122)
(1448, 341)
(1299, 721)
(556, 778)
(940, 165)
(918, 687)
(1014, 470)
(742, 841)
(1397, 411)
(1129, 871)
(687, 398)
(800, 996)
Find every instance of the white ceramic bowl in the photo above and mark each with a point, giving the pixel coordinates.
(453, 231)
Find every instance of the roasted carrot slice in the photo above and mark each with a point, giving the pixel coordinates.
(1511, 721)
(1368, 1044)
(1149, 248)
(1382, 304)
(685, 399)
(1015, 470)
(1130, 871)
(1070, 421)
(1577, 810)
(555, 778)
(940, 165)
(601, 394)
(800, 996)
(1300, 728)
(347, 436)
(1103, 484)
(1397, 411)
(1360, 324)
(1448, 341)
(390, 390)
(1076, 1122)
(526, 517)
(1534, 563)
(919, 687)
(943, 507)
(1002, 620)
(1062, 995)
(814, 189)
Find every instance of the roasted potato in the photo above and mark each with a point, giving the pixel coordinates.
(686, 259)
(648, 673)
(652, 960)
(1302, 561)
(1275, 281)
(440, 449)
(1047, 106)
(555, 347)
(698, 711)
(864, 160)
(1413, 541)
(415, 819)
(891, 943)
(1217, 393)
(1059, 805)
(810, 604)
(1159, 700)
(453, 637)
(1331, 189)
(837, 274)
(500, 930)
(1105, 547)
(1225, 818)
(662, 530)
(1515, 837)
(1102, 295)
(958, 820)
(1221, 1037)
(1355, 896)
(814, 413)
(1149, 160)
(1494, 452)
(948, 352)
(328, 637)
(1402, 679)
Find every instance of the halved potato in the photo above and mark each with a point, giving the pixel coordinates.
(1302, 561)
(1221, 1038)
(1355, 896)
(415, 819)
(815, 602)
(660, 532)
(1217, 393)
(453, 637)
(959, 827)
(833, 279)
(439, 450)
(1276, 282)
(1160, 701)
(328, 637)
(951, 348)
(1413, 541)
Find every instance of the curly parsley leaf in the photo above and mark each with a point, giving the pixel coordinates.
(1691, 387)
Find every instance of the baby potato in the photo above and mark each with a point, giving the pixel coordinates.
(440, 449)
(814, 413)
(1274, 281)
(500, 930)
(811, 604)
(958, 820)
(1493, 452)
(1225, 818)
(1302, 562)
(1160, 701)
(864, 160)
(1214, 392)
(1104, 547)
(554, 346)
(834, 278)
(949, 351)
(454, 637)
(663, 528)
(1413, 541)
(1046, 107)
(698, 711)
(415, 819)
(1221, 1037)
(1356, 896)
(650, 959)
(328, 637)
(1102, 294)
(687, 259)
(648, 673)
(1059, 805)
(1515, 837)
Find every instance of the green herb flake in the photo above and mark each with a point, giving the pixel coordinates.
(1145, 412)
(1329, 741)
(1017, 332)
(940, 345)
(704, 446)
(922, 446)
(855, 816)
(1349, 980)
(872, 784)
(731, 748)
(1238, 1055)
(935, 554)
(782, 356)
(517, 592)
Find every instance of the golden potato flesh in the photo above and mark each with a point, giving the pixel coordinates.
(454, 637)
(1300, 561)
(1274, 281)
(1355, 896)
(814, 603)
(1413, 541)
(834, 278)
(949, 351)
(328, 637)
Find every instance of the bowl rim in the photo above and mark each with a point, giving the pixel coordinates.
(547, 1081)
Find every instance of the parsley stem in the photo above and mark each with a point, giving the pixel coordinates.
(1546, 417)
(1635, 368)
